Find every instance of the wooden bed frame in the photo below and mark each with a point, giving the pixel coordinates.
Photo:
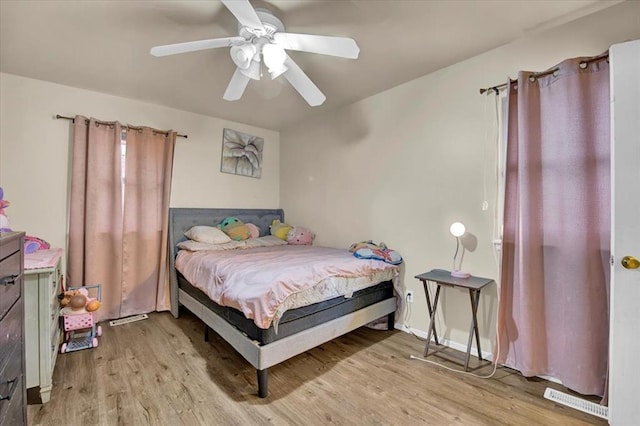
(258, 355)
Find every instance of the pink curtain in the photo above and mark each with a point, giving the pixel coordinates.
(554, 317)
(95, 217)
(149, 164)
(118, 234)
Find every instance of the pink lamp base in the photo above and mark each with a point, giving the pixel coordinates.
(460, 274)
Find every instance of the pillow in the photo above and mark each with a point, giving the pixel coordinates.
(207, 234)
(192, 245)
(266, 241)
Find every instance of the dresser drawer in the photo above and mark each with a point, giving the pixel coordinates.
(10, 276)
(11, 335)
(11, 386)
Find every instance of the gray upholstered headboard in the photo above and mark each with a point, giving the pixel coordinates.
(181, 219)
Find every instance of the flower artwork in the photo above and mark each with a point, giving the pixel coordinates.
(241, 154)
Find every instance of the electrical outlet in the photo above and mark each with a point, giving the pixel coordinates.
(409, 297)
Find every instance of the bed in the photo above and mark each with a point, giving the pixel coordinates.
(296, 330)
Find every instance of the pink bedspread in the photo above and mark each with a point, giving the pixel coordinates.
(256, 281)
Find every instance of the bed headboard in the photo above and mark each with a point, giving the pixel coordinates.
(181, 219)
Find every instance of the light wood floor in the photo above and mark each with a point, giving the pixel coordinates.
(160, 371)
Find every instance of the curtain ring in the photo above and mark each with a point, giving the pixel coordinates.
(97, 124)
(583, 65)
(556, 73)
(139, 130)
(532, 78)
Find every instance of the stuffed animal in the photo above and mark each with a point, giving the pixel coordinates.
(33, 244)
(253, 230)
(78, 301)
(4, 222)
(300, 236)
(235, 229)
(279, 229)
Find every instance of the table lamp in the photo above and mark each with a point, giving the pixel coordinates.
(458, 229)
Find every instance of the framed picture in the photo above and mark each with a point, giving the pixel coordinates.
(241, 154)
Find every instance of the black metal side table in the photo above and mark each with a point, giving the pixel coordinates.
(443, 278)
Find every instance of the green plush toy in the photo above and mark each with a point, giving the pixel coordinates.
(235, 229)
(279, 229)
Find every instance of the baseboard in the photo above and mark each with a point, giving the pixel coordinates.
(446, 342)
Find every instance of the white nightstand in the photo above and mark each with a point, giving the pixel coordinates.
(42, 281)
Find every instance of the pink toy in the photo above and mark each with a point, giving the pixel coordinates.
(300, 236)
(4, 222)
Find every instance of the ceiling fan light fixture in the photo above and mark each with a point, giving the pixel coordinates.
(274, 57)
(243, 55)
(278, 72)
(252, 71)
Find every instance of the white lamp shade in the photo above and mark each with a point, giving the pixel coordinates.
(242, 55)
(274, 57)
(457, 229)
(252, 71)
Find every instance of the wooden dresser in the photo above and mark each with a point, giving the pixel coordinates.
(42, 280)
(13, 395)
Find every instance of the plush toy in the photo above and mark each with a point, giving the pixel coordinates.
(4, 222)
(235, 229)
(300, 236)
(253, 230)
(78, 301)
(33, 244)
(279, 229)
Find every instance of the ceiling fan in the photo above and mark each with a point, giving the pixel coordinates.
(261, 39)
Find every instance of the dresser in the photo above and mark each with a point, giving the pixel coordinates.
(42, 284)
(13, 394)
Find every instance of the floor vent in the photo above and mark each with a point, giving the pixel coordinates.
(127, 320)
(577, 403)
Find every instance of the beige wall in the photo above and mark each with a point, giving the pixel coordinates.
(402, 165)
(35, 150)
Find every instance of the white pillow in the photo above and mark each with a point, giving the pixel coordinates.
(207, 234)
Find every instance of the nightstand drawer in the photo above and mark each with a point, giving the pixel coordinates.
(10, 276)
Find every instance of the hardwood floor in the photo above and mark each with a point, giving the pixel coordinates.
(160, 371)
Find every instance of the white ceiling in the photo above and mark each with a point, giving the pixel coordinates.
(104, 46)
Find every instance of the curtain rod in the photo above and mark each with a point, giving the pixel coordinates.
(58, 117)
(583, 64)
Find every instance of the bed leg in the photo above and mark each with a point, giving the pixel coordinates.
(391, 321)
(262, 382)
(206, 333)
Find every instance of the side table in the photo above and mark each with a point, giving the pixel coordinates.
(443, 278)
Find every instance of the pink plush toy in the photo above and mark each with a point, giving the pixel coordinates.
(4, 222)
(300, 236)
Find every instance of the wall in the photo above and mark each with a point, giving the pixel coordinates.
(35, 154)
(402, 165)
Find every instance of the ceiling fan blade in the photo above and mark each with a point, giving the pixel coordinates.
(192, 46)
(236, 86)
(303, 84)
(343, 47)
(244, 13)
